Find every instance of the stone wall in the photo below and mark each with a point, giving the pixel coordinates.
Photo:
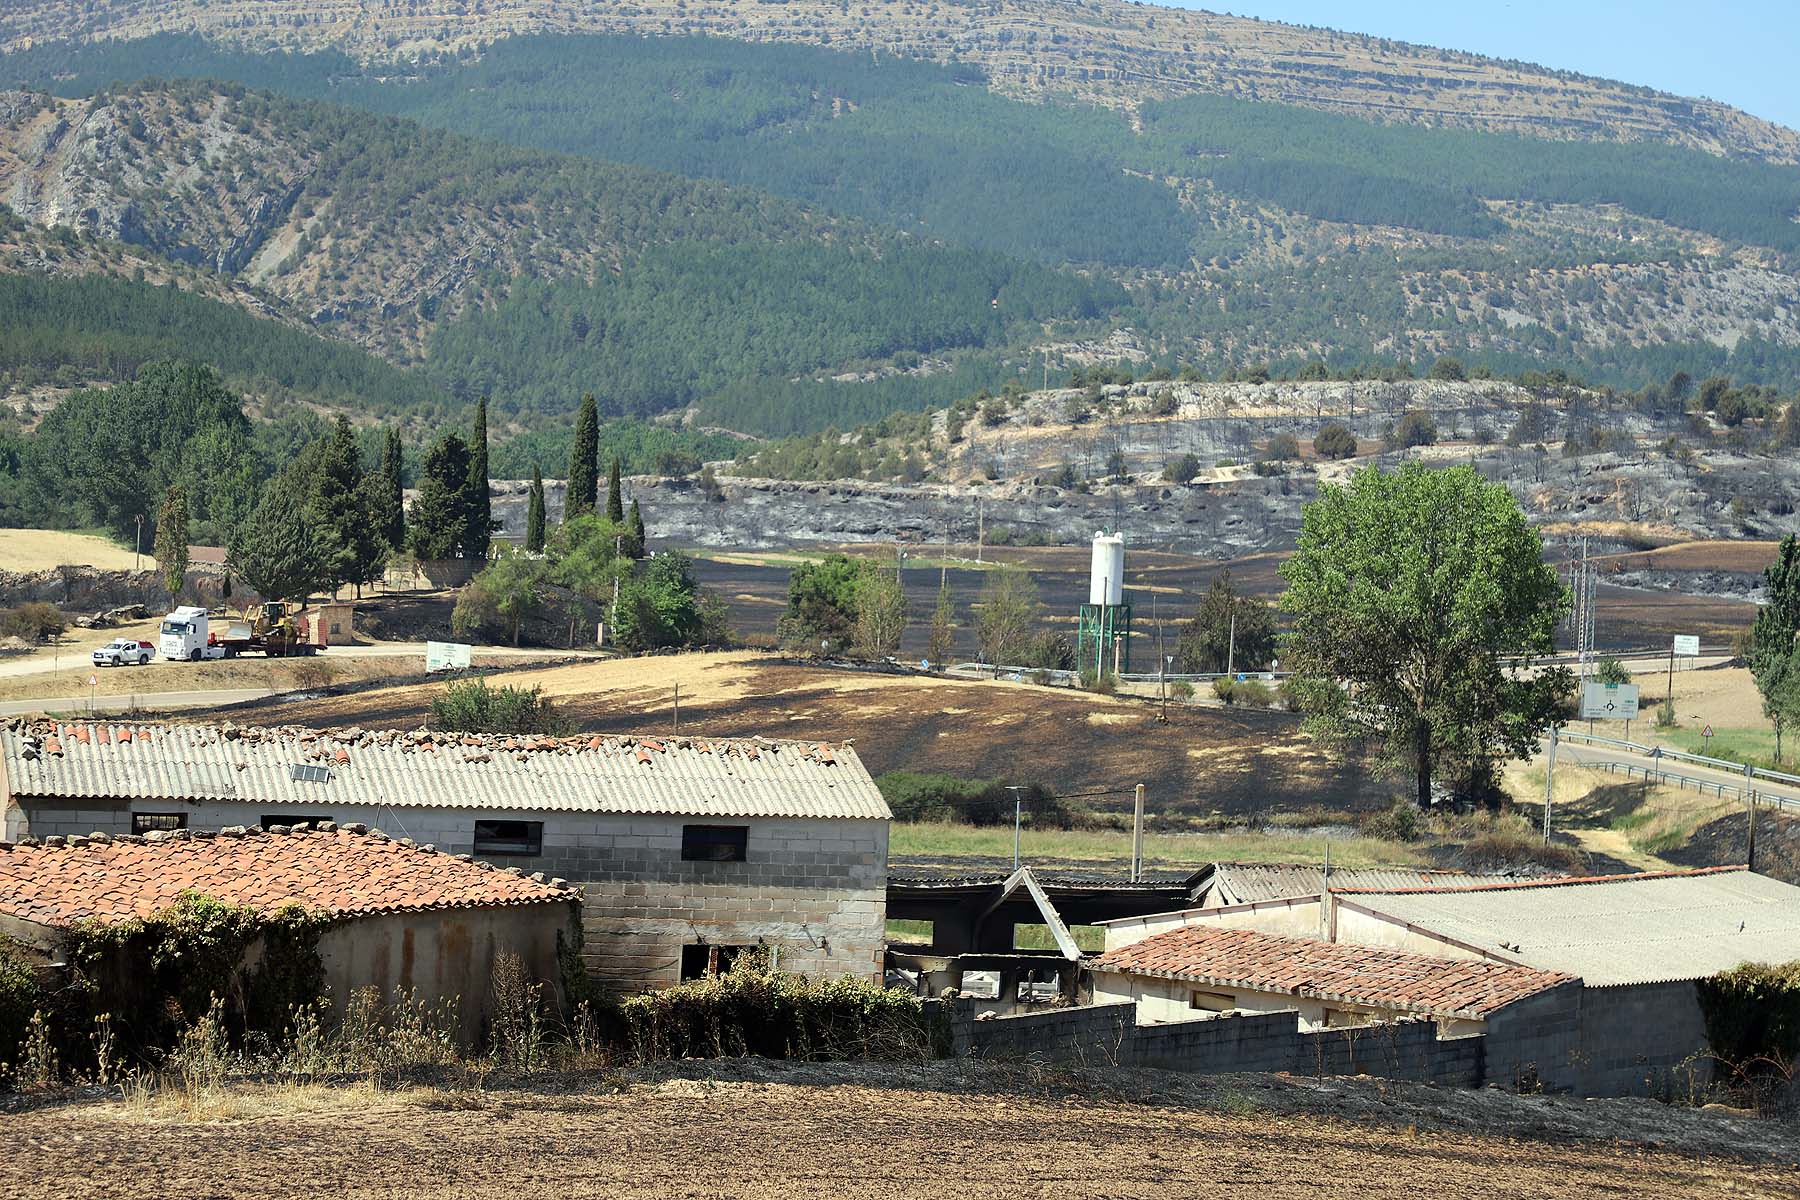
(89, 589)
(1108, 1035)
(813, 888)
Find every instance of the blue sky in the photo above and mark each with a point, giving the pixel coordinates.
(1744, 53)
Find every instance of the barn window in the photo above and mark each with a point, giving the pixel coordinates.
(509, 837)
(703, 961)
(714, 843)
(1218, 1002)
(148, 822)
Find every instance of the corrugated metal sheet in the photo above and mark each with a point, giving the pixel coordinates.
(698, 777)
(1246, 883)
(1615, 931)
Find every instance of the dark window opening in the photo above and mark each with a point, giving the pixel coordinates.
(509, 837)
(291, 819)
(703, 961)
(714, 843)
(157, 822)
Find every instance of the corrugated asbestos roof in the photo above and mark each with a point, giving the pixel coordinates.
(333, 870)
(1361, 975)
(1613, 930)
(1246, 883)
(698, 777)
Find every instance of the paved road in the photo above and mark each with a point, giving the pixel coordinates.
(1574, 752)
(79, 657)
(154, 701)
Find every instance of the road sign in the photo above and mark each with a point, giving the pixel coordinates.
(1687, 645)
(446, 656)
(1609, 701)
(93, 681)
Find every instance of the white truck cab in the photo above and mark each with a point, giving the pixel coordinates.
(185, 637)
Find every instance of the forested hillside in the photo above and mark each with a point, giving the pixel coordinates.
(801, 237)
(1117, 51)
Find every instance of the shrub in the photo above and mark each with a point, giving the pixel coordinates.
(1181, 689)
(1224, 689)
(1414, 428)
(1102, 683)
(1252, 694)
(918, 796)
(1753, 1011)
(1611, 670)
(1399, 823)
(1334, 441)
(1181, 469)
(1281, 447)
(1665, 713)
(751, 1009)
(471, 706)
(34, 621)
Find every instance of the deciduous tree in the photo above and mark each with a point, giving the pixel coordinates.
(1007, 613)
(880, 615)
(1774, 648)
(172, 538)
(1406, 593)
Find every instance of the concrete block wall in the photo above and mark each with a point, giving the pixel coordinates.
(1642, 1039)
(1536, 1042)
(1266, 1042)
(815, 889)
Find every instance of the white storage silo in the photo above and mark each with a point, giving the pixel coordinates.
(1106, 585)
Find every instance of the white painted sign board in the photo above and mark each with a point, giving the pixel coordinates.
(1609, 701)
(1687, 644)
(446, 656)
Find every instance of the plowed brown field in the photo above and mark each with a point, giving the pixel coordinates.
(695, 1138)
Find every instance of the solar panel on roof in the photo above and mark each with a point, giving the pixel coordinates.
(309, 773)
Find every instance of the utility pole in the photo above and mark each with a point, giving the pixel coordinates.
(1137, 833)
(138, 551)
(1018, 819)
(1549, 782)
(678, 708)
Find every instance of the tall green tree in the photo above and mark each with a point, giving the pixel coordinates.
(821, 603)
(1006, 615)
(1406, 593)
(615, 496)
(880, 615)
(584, 462)
(342, 504)
(1775, 638)
(1228, 630)
(435, 522)
(172, 538)
(393, 490)
(534, 514)
(478, 513)
(659, 605)
(277, 551)
(638, 542)
(940, 643)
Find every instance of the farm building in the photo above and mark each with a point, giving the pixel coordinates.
(1638, 944)
(687, 850)
(403, 920)
(1201, 971)
(1221, 884)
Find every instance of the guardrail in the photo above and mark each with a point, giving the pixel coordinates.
(1752, 774)
(1714, 787)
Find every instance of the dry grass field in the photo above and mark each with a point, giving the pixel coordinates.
(26, 550)
(1214, 759)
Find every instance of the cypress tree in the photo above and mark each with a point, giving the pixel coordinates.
(172, 538)
(435, 523)
(584, 461)
(638, 544)
(393, 491)
(478, 513)
(615, 499)
(534, 514)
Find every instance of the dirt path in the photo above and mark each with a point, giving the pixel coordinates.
(689, 1137)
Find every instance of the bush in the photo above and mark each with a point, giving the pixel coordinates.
(1252, 694)
(1753, 1011)
(1334, 441)
(1414, 428)
(1101, 683)
(750, 1009)
(1402, 822)
(1223, 688)
(1181, 469)
(1611, 670)
(1665, 713)
(1181, 689)
(34, 621)
(918, 796)
(471, 706)
(1281, 447)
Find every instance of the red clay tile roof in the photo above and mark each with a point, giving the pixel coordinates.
(333, 870)
(1318, 970)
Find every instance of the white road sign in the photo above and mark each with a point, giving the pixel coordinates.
(446, 656)
(1687, 645)
(1609, 701)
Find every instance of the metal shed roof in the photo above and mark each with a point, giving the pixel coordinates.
(1227, 883)
(701, 777)
(1615, 929)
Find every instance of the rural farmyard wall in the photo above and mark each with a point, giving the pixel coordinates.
(1109, 1035)
(814, 888)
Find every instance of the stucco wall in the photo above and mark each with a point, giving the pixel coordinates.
(1360, 928)
(815, 888)
(1298, 917)
(445, 957)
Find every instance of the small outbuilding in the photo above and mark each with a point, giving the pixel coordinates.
(400, 918)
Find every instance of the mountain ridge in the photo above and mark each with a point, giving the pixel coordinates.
(1105, 50)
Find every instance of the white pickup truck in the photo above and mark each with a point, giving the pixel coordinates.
(124, 652)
